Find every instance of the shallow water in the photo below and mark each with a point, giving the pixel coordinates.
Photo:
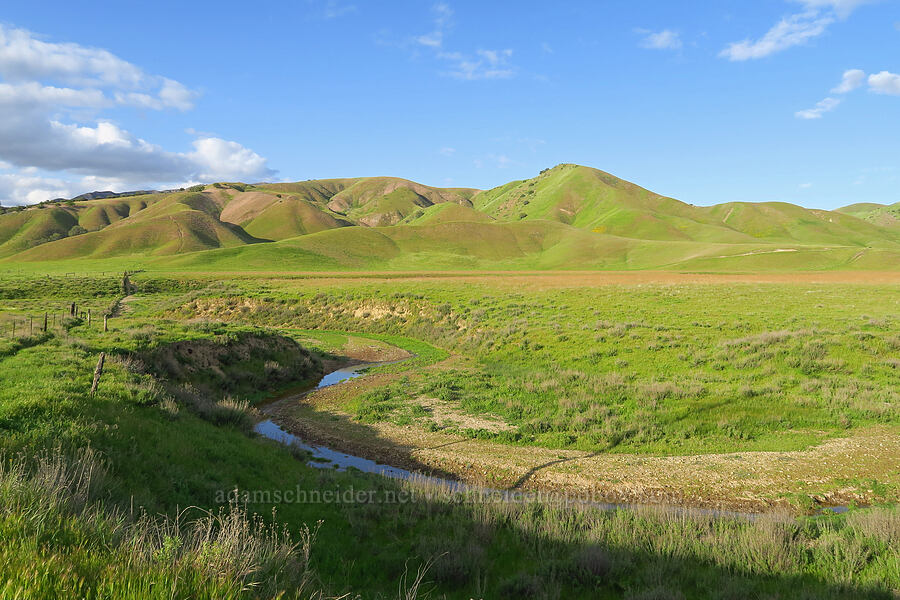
(344, 374)
(322, 456)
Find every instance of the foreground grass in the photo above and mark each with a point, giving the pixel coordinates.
(61, 541)
(159, 452)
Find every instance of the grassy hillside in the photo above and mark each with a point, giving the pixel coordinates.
(781, 222)
(224, 215)
(568, 217)
(380, 201)
(182, 231)
(518, 246)
(28, 228)
(592, 199)
(879, 214)
(446, 213)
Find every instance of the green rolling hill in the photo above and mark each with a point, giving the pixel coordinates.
(568, 217)
(878, 214)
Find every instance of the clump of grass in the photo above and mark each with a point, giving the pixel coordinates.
(231, 411)
(230, 554)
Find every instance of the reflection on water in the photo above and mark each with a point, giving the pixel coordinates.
(344, 374)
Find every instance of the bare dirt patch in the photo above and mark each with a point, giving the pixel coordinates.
(444, 413)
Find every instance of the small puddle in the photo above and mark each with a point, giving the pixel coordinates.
(326, 458)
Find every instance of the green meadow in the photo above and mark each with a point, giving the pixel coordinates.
(124, 494)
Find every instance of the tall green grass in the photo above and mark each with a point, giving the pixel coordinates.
(62, 540)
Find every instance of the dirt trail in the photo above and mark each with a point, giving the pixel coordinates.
(122, 306)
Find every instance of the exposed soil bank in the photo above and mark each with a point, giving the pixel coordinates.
(235, 364)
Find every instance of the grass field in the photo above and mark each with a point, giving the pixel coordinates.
(511, 371)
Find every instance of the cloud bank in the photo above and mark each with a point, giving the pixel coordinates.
(54, 140)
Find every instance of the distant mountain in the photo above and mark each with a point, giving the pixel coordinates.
(104, 195)
(567, 217)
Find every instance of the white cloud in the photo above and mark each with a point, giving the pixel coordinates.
(447, 151)
(485, 64)
(466, 66)
(661, 40)
(805, 186)
(502, 161)
(25, 58)
(334, 9)
(790, 31)
(851, 80)
(885, 82)
(18, 189)
(821, 107)
(443, 19)
(55, 142)
(435, 39)
(33, 94)
(218, 159)
(795, 29)
(171, 95)
(842, 8)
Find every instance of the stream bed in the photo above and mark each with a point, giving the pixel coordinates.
(323, 457)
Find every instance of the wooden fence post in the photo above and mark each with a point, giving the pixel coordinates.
(45, 322)
(97, 373)
(105, 324)
(89, 317)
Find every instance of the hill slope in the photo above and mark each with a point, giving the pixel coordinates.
(592, 199)
(568, 217)
(879, 214)
(221, 216)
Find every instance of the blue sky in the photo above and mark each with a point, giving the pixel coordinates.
(705, 101)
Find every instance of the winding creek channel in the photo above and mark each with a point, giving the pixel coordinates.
(326, 458)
